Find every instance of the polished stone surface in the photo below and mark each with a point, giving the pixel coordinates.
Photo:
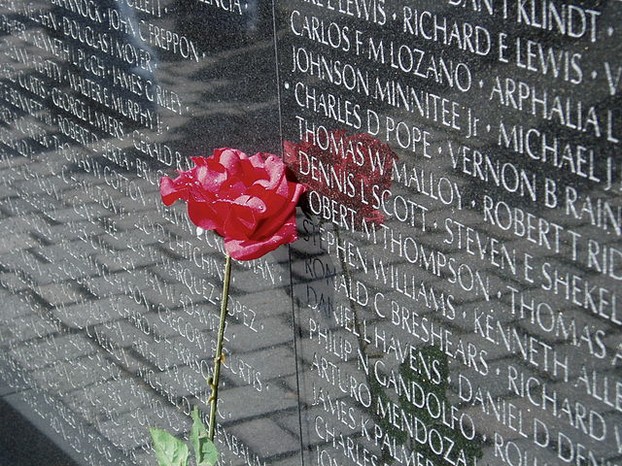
(452, 296)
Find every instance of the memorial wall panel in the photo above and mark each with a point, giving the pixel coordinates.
(456, 291)
(113, 299)
(452, 298)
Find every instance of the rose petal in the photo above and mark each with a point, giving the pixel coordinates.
(230, 159)
(271, 224)
(276, 181)
(245, 250)
(210, 178)
(255, 203)
(170, 191)
(240, 223)
(202, 215)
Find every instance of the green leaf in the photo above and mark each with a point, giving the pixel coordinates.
(204, 449)
(170, 451)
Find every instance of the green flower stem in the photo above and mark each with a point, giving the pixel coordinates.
(218, 359)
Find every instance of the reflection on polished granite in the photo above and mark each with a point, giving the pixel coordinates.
(110, 300)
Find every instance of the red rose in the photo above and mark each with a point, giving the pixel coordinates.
(246, 200)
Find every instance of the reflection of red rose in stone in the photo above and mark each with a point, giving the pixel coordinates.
(352, 170)
(246, 200)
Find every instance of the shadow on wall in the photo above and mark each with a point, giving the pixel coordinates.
(22, 444)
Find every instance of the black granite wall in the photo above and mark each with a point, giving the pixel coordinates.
(453, 298)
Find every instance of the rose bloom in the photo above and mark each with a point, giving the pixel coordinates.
(246, 200)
